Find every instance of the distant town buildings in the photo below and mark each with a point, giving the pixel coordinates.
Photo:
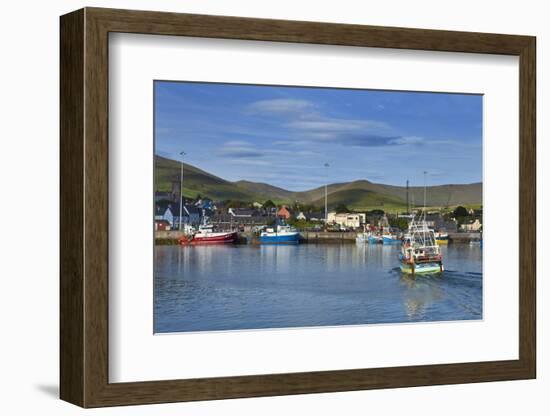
(310, 216)
(240, 215)
(190, 214)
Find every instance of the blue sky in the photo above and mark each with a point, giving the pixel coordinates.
(284, 136)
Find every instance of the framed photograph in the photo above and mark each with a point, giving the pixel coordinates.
(255, 207)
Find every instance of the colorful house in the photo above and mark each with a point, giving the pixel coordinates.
(284, 213)
(190, 215)
(162, 225)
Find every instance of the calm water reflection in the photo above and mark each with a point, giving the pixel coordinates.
(244, 287)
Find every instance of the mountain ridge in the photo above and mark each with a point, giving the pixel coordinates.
(358, 194)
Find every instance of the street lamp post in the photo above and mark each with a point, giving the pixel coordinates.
(182, 154)
(326, 196)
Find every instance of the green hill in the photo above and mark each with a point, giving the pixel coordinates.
(361, 199)
(196, 181)
(441, 195)
(258, 188)
(359, 194)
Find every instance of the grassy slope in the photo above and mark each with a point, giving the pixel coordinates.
(361, 199)
(196, 181)
(268, 191)
(360, 194)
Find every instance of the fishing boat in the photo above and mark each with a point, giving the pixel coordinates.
(441, 237)
(390, 237)
(362, 238)
(375, 239)
(419, 252)
(280, 233)
(206, 234)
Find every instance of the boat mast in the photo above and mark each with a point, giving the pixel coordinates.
(326, 197)
(182, 154)
(424, 210)
(407, 197)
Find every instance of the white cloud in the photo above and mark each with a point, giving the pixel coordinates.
(403, 140)
(237, 143)
(336, 125)
(280, 105)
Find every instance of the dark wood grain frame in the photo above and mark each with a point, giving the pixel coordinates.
(84, 207)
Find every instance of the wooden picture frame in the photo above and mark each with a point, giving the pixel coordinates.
(84, 207)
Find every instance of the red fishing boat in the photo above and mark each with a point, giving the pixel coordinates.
(207, 235)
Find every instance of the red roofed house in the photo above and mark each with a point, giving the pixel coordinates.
(284, 212)
(162, 225)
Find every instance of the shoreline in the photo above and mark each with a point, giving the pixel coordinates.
(168, 238)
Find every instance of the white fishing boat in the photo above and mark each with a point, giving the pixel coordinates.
(420, 252)
(362, 238)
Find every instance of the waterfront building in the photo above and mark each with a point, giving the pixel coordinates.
(471, 225)
(162, 225)
(190, 215)
(310, 216)
(347, 219)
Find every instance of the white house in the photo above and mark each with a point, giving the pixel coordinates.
(348, 220)
(301, 216)
(241, 212)
(474, 225)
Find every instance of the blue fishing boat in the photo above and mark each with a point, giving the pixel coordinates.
(374, 239)
(391, 236)
(280, 233)
(390, 239)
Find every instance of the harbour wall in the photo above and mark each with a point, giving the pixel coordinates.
(169, 235)
(327, 237)
(464, 237)
(314, 237)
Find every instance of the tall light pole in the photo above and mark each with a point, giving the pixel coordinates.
(425, 190)
(408, 197)
(326, 196)
(182, 154)
(424, 210)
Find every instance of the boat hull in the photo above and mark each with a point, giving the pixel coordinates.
(290, 238)
(217, 238)
(390, 240)
(422, 268)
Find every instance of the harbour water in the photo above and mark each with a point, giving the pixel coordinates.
(237, 287)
